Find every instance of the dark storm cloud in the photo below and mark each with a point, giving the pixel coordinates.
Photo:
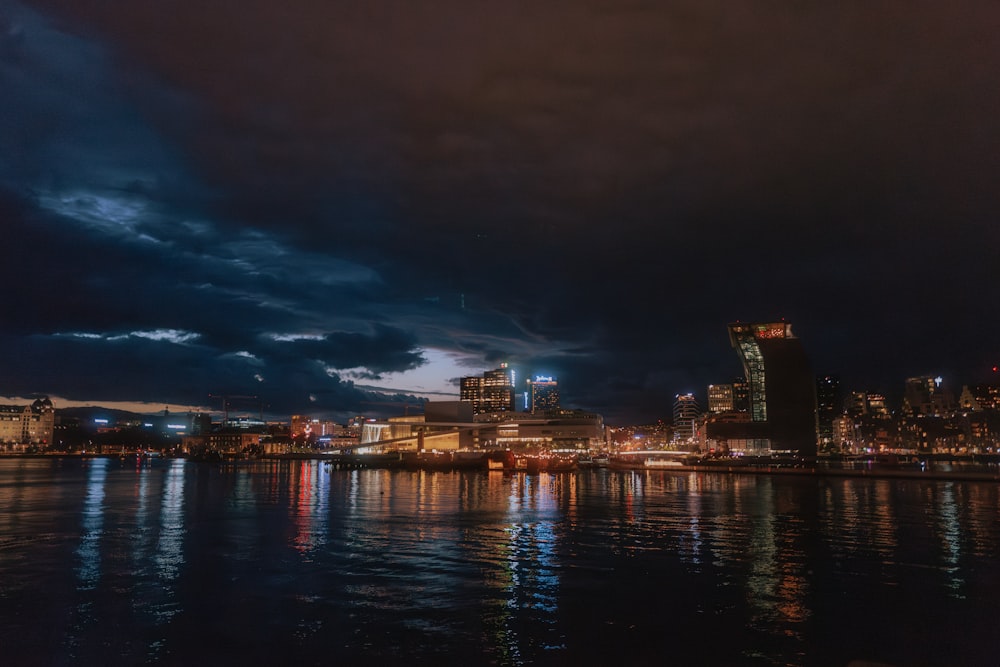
(602, 186)
(387, 349)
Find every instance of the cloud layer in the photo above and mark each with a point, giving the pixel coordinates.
(285, 200)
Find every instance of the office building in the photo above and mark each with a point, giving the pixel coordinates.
(877, 406)
(543, 393)
(926, 396)
(493, 392)
(828, 406)
(856, 404)
(782, 388)
(720, 398)
(980, 398)
(686, 412)
(741, 395)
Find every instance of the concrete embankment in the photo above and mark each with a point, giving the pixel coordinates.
(819, 471)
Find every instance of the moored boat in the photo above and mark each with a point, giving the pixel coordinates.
(558, 464)
(550, 464)
(662, 463)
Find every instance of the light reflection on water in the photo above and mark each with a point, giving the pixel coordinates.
(89, 553)
(171, 562)
(310, 508)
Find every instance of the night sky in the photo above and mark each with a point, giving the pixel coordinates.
(334, 204)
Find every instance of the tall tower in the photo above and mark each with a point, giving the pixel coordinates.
(493, 392)
(471, 389)
(544, 391)
(782, 386)
(827, 406)
(498, 390)
(686, 411)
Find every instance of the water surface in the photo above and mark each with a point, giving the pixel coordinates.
(114, 562)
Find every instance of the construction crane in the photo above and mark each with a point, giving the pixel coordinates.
(226, 398)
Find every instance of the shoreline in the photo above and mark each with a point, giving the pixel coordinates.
(819, 471)
(877, 472)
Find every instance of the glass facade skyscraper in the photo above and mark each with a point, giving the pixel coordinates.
(782, 388)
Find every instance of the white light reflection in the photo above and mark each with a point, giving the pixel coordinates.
(169, 556)
(695, 510)
(532, 561)
(951, 539)
(89, 554)
(139, 536)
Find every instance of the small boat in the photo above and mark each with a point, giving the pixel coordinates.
(535, 464)
(558, 464)
(662, 463)
(551, 464)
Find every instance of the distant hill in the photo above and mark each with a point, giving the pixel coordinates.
(88, 414)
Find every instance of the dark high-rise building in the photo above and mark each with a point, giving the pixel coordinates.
(923, 396)
(782, 387)
(544, 393)
(856, 404)
(828, 406)
(741, 395)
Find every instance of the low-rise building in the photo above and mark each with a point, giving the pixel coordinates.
(27, 425)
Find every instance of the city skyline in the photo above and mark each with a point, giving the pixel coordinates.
(334, 207)
(719, 398)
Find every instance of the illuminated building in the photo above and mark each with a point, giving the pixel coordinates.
(27, 424)
(544, 393)
(980, 398)
(924, 396)
(222, 442)
(471, 391)
(686, 411)
(491, 393)
(720, 398)
(449, 425)
(302, 426)
(877, 406)
(782, 388)
(299, 425)
(856, 404)
(565, 430)
(827, 406)
(843, 431)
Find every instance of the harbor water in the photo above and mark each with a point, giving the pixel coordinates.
(109, 561)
